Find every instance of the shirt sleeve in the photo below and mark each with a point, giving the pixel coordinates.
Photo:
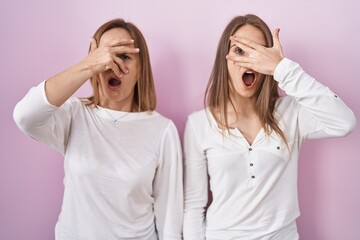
(168, 187)
(321, 112)
(41, 120)
(195, 185)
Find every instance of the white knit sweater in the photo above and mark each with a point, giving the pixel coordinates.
(122, 181)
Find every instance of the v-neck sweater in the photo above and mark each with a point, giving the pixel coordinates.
(122, 181)
(254, 187)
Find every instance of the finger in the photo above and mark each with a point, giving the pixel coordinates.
(244, 47)
(276, 38)
(121, 42)
(123, 49)
(242, 59)
(115, 68)
(245, 65)
(93, 45)
(246, 42)
(120, 64)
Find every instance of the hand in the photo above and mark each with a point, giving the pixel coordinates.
(106, 57)
(258, 58)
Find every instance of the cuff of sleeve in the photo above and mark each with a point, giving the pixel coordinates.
(282, 69)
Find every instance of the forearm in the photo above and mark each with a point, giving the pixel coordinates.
(332, 114)
(62, 86)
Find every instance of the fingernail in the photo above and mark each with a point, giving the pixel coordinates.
(137, 49)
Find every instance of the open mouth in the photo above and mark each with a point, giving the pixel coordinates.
(114, 82)
(249, 78)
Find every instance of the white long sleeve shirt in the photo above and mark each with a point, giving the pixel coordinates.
(122, 181)
(254, 188)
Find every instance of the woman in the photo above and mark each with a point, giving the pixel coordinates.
(123, 162)
(248, 138)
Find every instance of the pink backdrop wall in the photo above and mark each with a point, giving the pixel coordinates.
(40, 38)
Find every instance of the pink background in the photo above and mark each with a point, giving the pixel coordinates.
(40, 38)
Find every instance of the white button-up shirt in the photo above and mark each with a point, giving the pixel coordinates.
(254, 188)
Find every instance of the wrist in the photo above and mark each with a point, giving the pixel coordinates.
(82, 70)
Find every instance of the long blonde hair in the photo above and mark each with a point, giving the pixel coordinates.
(217, 95)
(144, 93)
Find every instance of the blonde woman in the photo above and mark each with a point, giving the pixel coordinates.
(123, 162)
(246, 142)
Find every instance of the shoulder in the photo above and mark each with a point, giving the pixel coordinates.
(199, 116)
(200, 122)
(158, 122)
(157, 117)
(164, 128)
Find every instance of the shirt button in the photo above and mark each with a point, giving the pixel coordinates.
(250, 149)
(251, 164)
(252, 176)
(278, 148)
(335, 96)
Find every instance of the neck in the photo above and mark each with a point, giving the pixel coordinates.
(242, 106)
(117, 106)
(115, 100)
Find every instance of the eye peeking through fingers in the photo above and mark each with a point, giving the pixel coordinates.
(239, 51)
(123, 57)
